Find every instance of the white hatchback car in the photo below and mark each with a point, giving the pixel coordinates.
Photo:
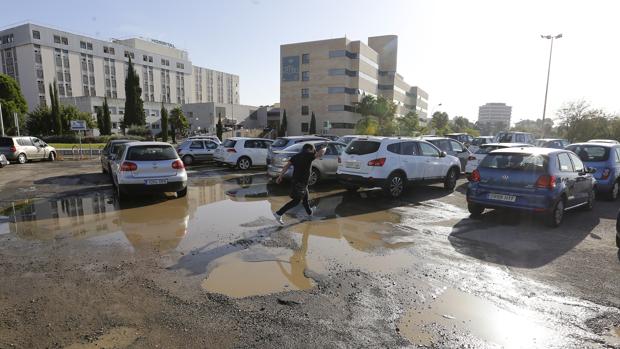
(393, 163)
(476, 158)
(243, 152)
(148, 167)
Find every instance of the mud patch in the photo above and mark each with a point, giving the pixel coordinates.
(119, 337)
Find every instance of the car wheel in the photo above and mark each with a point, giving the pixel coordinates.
(557, 214)
(450, 181)
(315, 176)
(475, 210)
(182, 193)
(22, 159)
(52, 156)
(395, 185)
(188, 160)
(613, 195)
(244, 163)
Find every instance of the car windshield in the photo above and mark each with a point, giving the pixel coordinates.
(279, 143)
(362, 147)
(229, 143)
(590, 153)
(151, 153)
(516, 162)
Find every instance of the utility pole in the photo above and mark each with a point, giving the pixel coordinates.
(16, 123)
(552, 38)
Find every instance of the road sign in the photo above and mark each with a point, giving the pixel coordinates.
(78, 125)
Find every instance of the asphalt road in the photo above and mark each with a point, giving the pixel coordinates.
(78, 269)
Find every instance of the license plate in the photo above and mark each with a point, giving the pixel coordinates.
(155, 181)
(502, 197)
(352, 164)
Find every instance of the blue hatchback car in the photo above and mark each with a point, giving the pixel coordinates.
(540, 180)
(605, 158)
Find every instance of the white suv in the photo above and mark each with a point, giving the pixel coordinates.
(243, 152)
(393, 163)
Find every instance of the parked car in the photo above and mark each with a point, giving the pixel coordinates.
(148, 167)
(323, 168)
(394, 163)
(461, 137)
(197, 150)
(555, 143)
(243, 152)
(610, 141)
(451, 147)
(3, 161)
(540, 180)
(24, 149)
(330, 137)
(109, 152)
(348, 138)
(605, 158)
(284, 142)
(477, 157)
(212, 138)
(514, 137)
(618, 230)
(478, 141)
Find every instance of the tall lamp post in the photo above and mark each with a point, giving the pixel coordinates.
(552, 38)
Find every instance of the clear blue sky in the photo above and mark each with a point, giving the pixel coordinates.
(464, 53)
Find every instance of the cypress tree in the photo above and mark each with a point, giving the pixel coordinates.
(164, 123)
(219, 128)
(134, 106)
(100, 121)
(56, 116)
(312, 124)
(107, 119)
(284, 125)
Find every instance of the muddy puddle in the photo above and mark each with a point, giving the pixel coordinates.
(452, 313)
(224, 231)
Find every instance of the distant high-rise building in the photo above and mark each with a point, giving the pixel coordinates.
(492, 113)
(87, 69)
(328, 77)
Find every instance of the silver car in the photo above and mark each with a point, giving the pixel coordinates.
(24, 149)
(322, 168)
(197, 150)
(148, 167)
(451, 147)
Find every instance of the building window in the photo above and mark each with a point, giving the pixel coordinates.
(129, 54)
(347, 90)
(305, 93)
(305, 58)
(304, 127)
(338, 107)
(83, 45)
(56, 39)
(305, 110)
(180, 65)
(64, 40)
(305, 75)
(89, 46)
(145, 58)
(342, 53)
(343, 125)
(36, 34)
(342, 71)
(150, 59)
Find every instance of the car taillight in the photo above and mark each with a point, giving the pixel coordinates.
(12, 149)
(546, 182)
(377, 162)
(475, 176)
(231, 150)
(128, 166)
(606, 173)
(471, 157)
(178, 165)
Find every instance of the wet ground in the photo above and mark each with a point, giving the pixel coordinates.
(78, 269)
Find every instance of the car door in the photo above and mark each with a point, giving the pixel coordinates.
(197, 150)
(104, 156)
(583, 180)
(33, 151)
(262, 150)
(433, 167)
(411, 160)
(328, 163)
(210, 147)
(460, 152)
(39, 145)
(567, 175)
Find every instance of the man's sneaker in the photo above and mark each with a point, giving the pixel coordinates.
(278, 218)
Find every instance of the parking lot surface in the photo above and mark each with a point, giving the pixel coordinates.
(213, 269)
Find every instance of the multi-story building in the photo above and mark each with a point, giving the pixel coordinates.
(86, 69)
(329, 77)
(494, 113)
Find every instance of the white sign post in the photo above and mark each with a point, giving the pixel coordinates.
(79, 125)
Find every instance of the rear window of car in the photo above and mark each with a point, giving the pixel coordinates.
(479, 141)
(6, 142)
(362, 147)
(488, 149)
(229, 143)
(151, 153)
(280, 142)
(516, 162)
(590, 152)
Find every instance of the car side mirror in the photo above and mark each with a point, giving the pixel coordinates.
(443, 154)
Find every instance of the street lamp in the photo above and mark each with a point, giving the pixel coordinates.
(549, 37)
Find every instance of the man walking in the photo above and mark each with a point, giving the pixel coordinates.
(302, 163)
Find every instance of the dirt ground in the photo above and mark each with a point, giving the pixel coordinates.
(80, 270)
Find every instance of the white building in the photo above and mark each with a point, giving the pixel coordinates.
(492, 113)
(87, 69)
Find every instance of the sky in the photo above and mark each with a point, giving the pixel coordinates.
(463, 53)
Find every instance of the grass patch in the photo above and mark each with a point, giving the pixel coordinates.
(84, 145)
